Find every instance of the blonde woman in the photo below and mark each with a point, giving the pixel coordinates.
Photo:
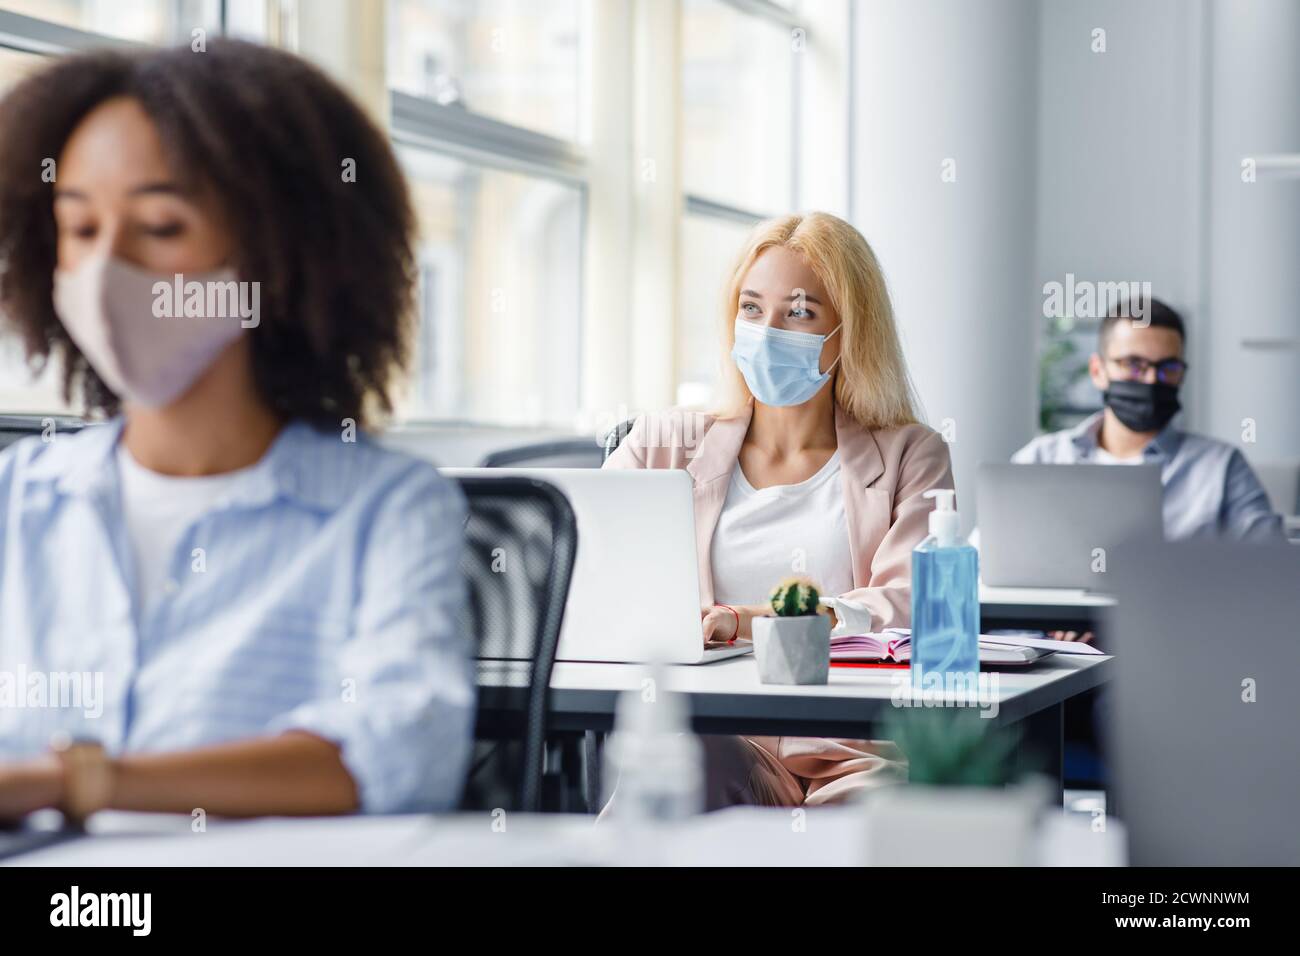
(814, 462)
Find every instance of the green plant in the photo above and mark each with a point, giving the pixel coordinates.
(948, 747)
(795, 597)
(1061, 365)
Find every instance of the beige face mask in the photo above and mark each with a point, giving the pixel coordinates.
(148, 343)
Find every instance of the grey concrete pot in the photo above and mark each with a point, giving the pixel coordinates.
(921, 825)
(793, 650)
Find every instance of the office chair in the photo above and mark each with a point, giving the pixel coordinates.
(14, 427)
(521, 539)
(560, 453)
(616, 436)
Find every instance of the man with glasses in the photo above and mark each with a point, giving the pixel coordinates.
(1209, 489)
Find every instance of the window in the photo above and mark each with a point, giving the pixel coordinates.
(738, 156)
(486, 112)
(709, 245)
(499, 256)
(144, 21)
(737, 120)
(486, 116)
(14, 65)
(517, 61)
(493, 108)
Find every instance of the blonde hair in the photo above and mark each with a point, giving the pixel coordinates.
(871, 381)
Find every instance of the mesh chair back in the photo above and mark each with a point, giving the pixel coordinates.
(563, 453)
(616, 436)
(521, 539)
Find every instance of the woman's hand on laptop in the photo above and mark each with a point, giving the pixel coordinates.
(721, 623)
(724, 623)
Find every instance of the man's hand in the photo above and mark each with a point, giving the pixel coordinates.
(29, 785)
(1083, 637)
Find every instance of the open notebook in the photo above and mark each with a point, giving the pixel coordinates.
(895, 644)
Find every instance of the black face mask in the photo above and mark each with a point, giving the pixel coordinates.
(1141, 406)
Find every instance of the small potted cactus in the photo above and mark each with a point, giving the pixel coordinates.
(793, 646)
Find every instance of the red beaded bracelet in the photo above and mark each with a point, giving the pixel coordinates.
(737, 613)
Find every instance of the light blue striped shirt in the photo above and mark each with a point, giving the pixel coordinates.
(327, 600)
(1209, 488)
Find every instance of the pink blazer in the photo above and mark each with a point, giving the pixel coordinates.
(884, 471)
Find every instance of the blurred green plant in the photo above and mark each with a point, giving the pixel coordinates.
(954, 747)
(1061, 365)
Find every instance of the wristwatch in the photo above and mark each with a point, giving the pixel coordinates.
(88, 773)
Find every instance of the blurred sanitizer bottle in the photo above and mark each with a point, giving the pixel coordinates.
(654, 761)
(945, 602)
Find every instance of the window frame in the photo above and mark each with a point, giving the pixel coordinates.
(33, 35)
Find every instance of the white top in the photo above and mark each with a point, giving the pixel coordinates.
(1102, 457)
(764, 535)
(158, 509)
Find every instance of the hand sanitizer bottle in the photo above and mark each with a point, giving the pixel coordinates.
(655, 769)
(658, 764)
(945, 602)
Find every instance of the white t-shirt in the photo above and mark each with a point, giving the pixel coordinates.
(764, 535)
(158, 509)
(1102, 457)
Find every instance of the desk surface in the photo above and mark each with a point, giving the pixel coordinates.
(1044, 597)
(740, 836)
(727, 697)
(1042, 608)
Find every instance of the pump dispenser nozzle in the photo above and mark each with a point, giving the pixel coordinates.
(945, 523)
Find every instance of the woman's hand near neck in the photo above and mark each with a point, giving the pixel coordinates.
(219, 425)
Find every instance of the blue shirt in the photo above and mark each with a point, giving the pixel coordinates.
(1209, 488)
(327, 600)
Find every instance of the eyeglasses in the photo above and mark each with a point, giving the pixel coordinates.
(1169, 371)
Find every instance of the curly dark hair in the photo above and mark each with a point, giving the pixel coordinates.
(269, 135)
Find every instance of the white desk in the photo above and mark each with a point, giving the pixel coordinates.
(740, 836)
(726, 697)
(1046, 608)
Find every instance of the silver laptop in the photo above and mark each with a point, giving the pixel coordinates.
(635, 592)
(1203, 712)
(1055, 526)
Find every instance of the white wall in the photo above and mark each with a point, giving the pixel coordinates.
(937, 80)
(1254, 228)
(1120, 195)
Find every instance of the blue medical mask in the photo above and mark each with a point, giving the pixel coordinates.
(781, 367)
